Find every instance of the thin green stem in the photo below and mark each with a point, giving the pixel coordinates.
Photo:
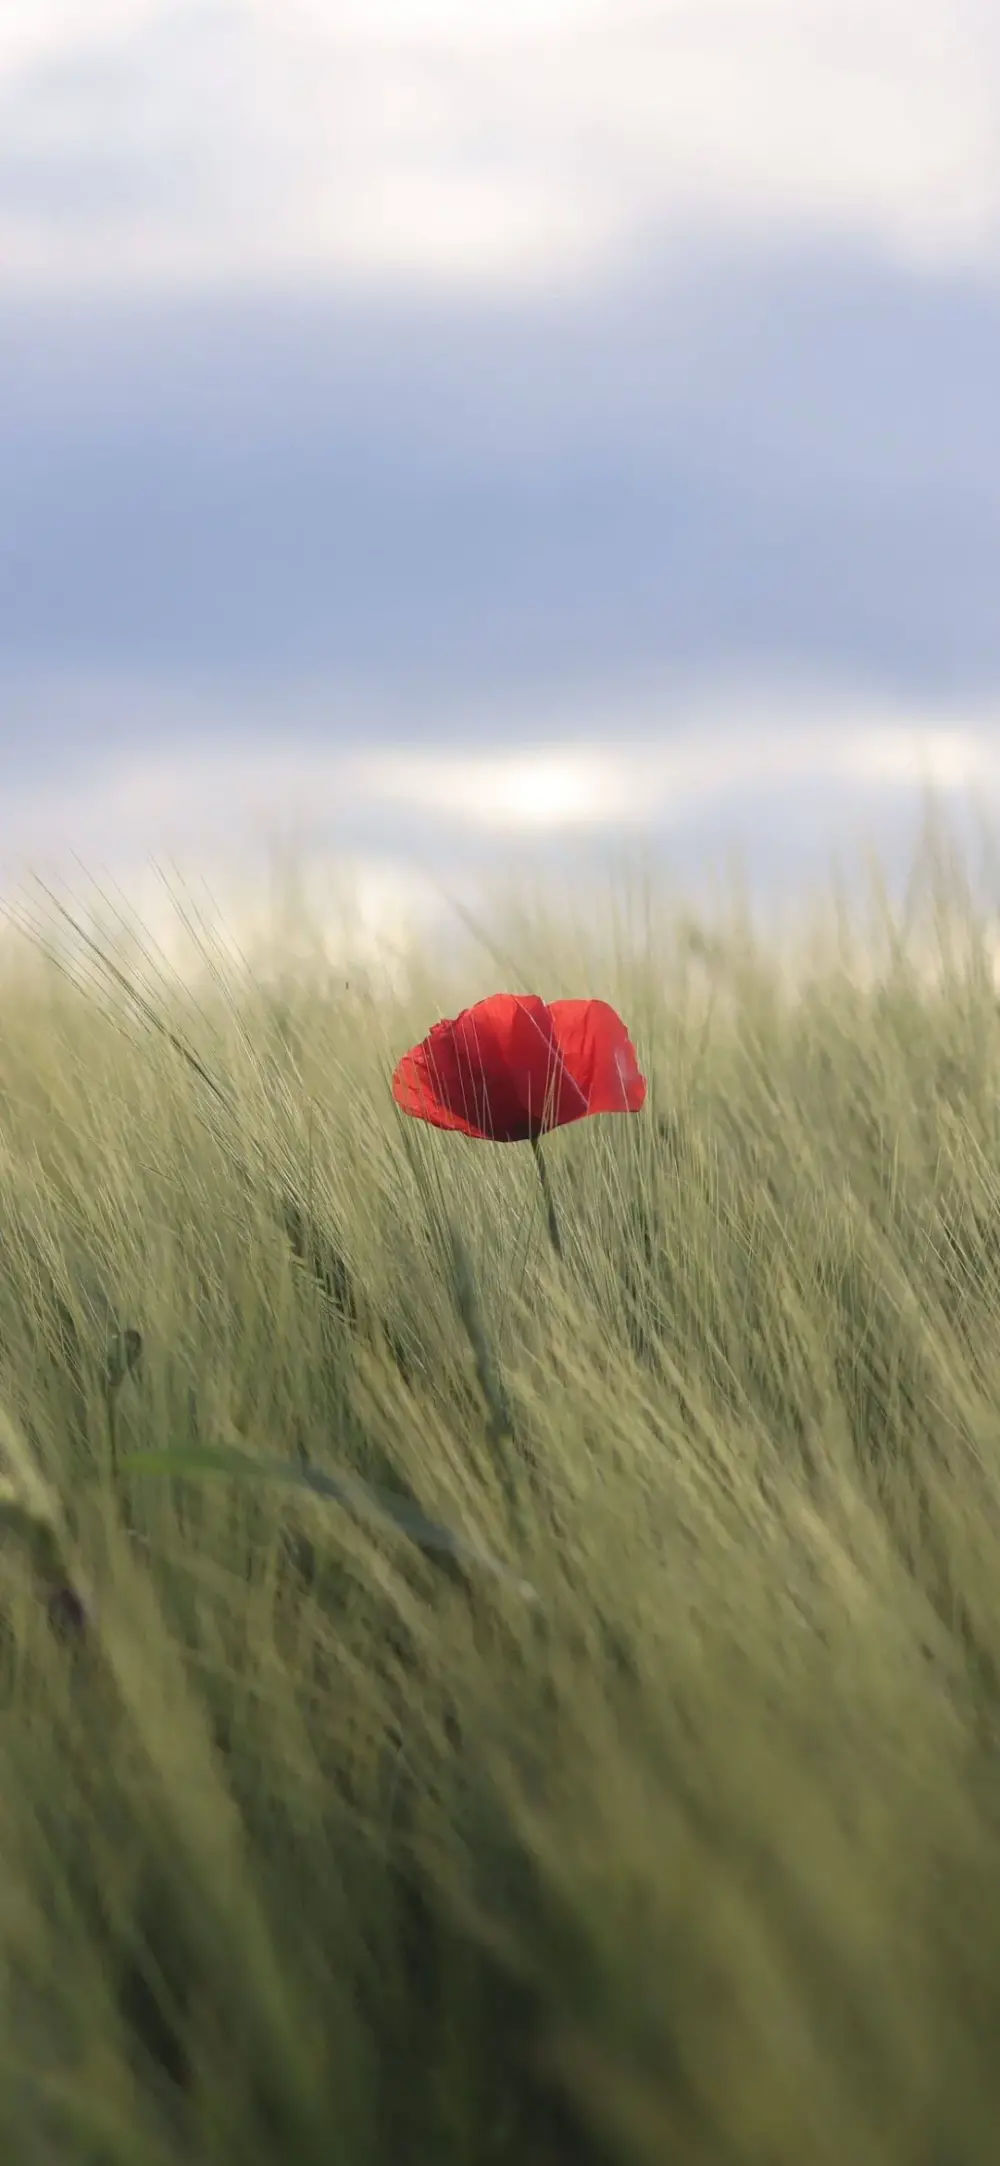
(550, 1207)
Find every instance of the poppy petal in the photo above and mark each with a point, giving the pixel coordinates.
(513, 1066)
(485, 1072)
(599, 1054)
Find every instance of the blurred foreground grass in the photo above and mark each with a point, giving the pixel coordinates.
(314, 1850)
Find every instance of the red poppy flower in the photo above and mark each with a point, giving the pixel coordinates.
(514, 1066)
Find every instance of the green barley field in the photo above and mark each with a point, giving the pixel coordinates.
(467, 1706)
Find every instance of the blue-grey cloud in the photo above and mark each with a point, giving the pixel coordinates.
(301, 511)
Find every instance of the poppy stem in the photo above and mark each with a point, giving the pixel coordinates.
(550, 1207)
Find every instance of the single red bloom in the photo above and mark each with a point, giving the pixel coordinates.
(514, 1066)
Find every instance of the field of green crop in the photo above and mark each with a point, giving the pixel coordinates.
(462, 1706)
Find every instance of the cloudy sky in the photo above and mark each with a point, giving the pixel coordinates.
(437, 431)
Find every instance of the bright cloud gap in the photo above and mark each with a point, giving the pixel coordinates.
(226, 791)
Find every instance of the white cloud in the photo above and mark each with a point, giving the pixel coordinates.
(654, 763)
(531, 791)
(377, 843)
(644, 786)
(495, 143)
